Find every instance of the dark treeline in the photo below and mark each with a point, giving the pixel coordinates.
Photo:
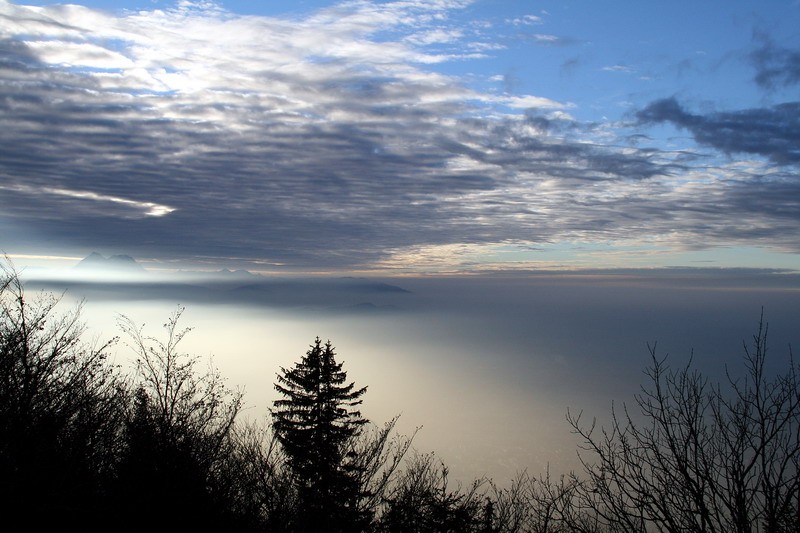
(86, 446)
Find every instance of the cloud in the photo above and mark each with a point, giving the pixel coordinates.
(526, 20)
(92, 199)
(435, 36)
(618, 68)
(328, 141)
(775, 66)
(771, 132)
(528, 102)
(78, 54)
(552, 40)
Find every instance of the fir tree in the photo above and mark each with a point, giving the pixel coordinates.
(315, 421)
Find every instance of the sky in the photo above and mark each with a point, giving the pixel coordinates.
(402, 137)
(489, 207)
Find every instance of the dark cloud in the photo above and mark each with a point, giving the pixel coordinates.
(569, 66)
(771, 132)
(775, 66)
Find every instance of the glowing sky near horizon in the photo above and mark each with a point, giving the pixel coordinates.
(402, 136)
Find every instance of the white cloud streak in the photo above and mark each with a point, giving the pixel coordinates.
(149, 209)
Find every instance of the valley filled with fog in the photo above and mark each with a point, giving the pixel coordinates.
(486, 365)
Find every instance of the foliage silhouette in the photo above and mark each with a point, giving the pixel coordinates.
(262, 494)
(59, 415)
(422, 501)
(699, 456)
(178, 435)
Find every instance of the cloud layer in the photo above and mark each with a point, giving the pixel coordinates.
(332, 141)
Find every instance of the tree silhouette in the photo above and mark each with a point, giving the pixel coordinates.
(699, 456)
(314, 422)
(423, 501)
(178, 436)
(59, 422)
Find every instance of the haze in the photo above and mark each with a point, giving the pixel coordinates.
(488, 366)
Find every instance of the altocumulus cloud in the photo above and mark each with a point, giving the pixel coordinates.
(318, 141)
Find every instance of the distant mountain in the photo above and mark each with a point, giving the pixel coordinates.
(367, 285)
(236, 274)
(119, 263)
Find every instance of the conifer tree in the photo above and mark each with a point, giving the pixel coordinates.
(315, 421)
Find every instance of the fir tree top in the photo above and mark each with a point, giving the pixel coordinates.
(317, 414)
